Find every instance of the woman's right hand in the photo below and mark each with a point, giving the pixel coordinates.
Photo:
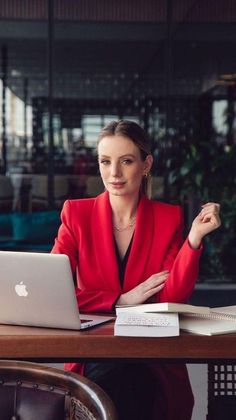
(144, 290)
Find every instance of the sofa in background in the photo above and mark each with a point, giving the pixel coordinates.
(29, 231)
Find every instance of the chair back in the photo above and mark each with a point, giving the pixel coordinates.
(221, 391)
(94, 186)
(6, 193)
(39, 192)
(35, 392)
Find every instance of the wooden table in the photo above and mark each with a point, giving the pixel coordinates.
(99, 343)
(50, 345)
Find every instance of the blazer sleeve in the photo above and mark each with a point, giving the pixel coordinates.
(94, 297)
(183, 263)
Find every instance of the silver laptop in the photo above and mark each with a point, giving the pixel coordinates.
(37, 289)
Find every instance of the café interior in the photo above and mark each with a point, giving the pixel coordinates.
(67, 71)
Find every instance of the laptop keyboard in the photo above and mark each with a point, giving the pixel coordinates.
(83, 321)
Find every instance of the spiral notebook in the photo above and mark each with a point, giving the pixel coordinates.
(220, 320)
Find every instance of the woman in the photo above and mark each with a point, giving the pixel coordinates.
(128, 249)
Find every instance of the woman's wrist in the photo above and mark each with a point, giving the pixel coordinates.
(194, 240)
(120, 300)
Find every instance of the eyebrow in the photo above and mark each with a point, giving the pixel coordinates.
(123, 156)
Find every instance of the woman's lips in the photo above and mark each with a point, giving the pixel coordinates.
(117, 184)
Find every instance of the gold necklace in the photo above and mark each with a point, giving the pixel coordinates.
(129, 226)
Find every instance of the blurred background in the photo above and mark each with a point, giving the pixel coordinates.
(69, 67)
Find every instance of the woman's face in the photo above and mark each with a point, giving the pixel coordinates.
(121, 166)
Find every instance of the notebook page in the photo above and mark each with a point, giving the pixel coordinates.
(206, 326)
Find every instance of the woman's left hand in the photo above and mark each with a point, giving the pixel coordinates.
(205, 222)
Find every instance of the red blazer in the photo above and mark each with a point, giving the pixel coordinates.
(86, 236)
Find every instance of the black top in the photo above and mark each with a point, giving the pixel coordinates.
(122, 262)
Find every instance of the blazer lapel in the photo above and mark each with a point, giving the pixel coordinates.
(104, 243)
(141, 246)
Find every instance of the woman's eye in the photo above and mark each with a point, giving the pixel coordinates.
(104, 162)
(127, 161)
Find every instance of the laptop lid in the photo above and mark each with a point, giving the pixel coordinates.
(37, 289)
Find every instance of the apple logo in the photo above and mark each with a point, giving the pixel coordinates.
(21, 289)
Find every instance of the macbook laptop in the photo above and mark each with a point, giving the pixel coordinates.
(37, 289)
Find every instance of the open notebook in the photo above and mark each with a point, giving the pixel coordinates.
(37, 289)
(220, 320)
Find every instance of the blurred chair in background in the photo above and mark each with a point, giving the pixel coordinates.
(94, 186)
(6, 194)
(39, 191)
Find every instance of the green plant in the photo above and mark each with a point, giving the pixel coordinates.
(207, 171)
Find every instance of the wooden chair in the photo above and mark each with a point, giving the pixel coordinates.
(35, 392)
